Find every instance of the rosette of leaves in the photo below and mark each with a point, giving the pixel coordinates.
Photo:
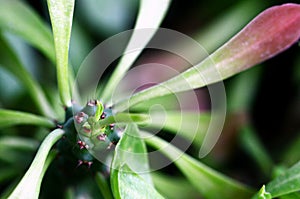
(65, 163)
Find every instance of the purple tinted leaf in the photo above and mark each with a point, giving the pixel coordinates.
(270, 33)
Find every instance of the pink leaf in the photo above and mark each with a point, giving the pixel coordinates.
(270, 33)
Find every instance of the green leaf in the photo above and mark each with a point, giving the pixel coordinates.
(174, 187)
(286, 183)
(17, 142)
(210, 183)
(29, 186)
(155, 9)
(11, 118)
(12, 63)
(124, 118)
(295, 195)
(131, 150)
(61, 14)
(18, 18)
(230, 22)
(251, 143)
(190, 125)
(292, 155)
(7, 173)
(103, 185)
(238, 99)
(263, 194)
(270, 33)
(130, 167)
(169, 102)
(132, 185)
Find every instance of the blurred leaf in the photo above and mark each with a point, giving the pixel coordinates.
(190, 125)
(231, 21)
(169, 102)
(16, 158)
(80, 43)
(124, 118)
(29, 186)
(240, 93)
(270, 33)
(11, 118)
(174, 187)
(295, 195)
(17, 142)
(61, 14)
(99, 15)
(291, 154)
(103, 185)
(130, 167)
(8, 94)
(157, 10)
(7, 173)
(83, 189)
(18, 18)
(209, 183)
(12, 63)
(252, 145)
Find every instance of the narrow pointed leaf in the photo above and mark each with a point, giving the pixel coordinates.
(174, 187)
(17, 142)
(16, 17)
(209, 183)
(286, 183)
(11, 118)
(270, 33)
(12, 63)
(103, 185)
(29, 186)
(292, 155)
(253, 146)
(157, 10)
(61, 14)
(130, 167)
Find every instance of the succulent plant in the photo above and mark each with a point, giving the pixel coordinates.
(95, 141)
